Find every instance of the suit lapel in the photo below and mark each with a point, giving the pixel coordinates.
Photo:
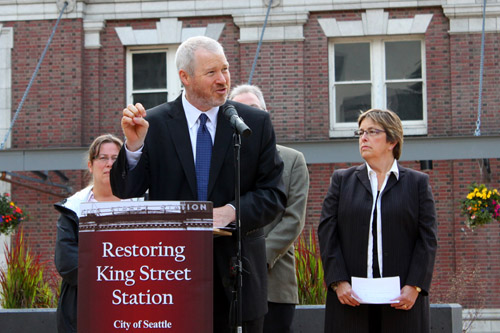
(178, 130)
(223, 141)
(362, 174)
(393, 180)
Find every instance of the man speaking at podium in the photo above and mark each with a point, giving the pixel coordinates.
(183, 150)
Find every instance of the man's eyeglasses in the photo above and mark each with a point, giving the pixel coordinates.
(369, 132)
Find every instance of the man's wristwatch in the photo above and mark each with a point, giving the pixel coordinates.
(418, 289)
(335, 285)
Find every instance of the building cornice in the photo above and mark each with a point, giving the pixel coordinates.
(375, 22)
(279, 27)
(468, 18)
(464, 15)
(92, 31)
(102, 10)
(168, 31)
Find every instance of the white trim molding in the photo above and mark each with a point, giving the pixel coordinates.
(375, 22)
(168, 31)
(92, 31)
(376, 26)
(279, 27)
(173, 84)
(6, 45)
(69, 8)
(466, 16)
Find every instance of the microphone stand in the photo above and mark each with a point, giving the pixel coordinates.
(237, 266)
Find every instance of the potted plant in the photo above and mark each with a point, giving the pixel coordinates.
(24, 282)
(481, 206)
(10, 215)
(28, 294)
(310, 313)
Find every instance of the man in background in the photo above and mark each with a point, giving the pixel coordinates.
(283, 231)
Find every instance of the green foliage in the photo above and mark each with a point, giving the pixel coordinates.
(10, 214)
(24, 282)
(309, 270)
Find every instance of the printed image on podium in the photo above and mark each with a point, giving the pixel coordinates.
(145, 265)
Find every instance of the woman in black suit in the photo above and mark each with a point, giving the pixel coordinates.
(378, 220)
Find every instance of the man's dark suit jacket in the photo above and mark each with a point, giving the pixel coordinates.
(409, 236)
(167, 169)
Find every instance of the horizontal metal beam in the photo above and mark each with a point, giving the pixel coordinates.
(332, 151)
(414, 149)
(43, 159)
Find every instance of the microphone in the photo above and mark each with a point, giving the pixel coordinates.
(236, 122)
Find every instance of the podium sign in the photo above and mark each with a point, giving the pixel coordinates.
(145, 266)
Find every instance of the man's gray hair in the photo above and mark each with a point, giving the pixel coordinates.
(184, 58)
(248, 88)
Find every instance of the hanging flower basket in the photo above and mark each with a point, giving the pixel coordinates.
(482, 206)
(10, 215)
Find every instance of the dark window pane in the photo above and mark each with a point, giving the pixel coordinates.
(403, 60)
(350, 100)
(149, 70)
(352, 62)
(150, 100)
(406, 100)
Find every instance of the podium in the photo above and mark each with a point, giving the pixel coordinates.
(145, 266)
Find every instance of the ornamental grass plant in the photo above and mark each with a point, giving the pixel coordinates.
(309, 270)
(24, 282)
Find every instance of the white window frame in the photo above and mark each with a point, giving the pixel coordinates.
(173, 88)
(6, 46)
(378, 82)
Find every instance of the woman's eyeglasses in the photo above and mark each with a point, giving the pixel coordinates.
(106, 158)
(369, 132)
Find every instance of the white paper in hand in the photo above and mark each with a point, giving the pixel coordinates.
(376, 291)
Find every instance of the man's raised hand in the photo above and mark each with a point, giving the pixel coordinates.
(134, 126)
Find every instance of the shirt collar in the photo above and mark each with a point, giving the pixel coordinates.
(394, 169)
(192, 113)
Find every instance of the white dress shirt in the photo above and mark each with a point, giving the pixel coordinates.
(372, 175)
(192, 116)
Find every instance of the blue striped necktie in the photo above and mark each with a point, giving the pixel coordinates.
(203, 157)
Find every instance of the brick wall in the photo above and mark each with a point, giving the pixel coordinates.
(40, 229)
(50, 117)
(467, 269)
(79, 94)
(465, 61)
(279, 72)
(51, 114)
